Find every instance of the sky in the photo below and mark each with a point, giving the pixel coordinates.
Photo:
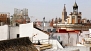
(37, 9)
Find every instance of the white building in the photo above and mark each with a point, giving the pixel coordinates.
(4, 32)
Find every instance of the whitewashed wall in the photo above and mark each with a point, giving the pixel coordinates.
(81, 48)
(64, 38)
(85, 32)
(13, 32)
(40, 35)
(4, 32)
(83, 35)
(55, 44)
(26, 30)
(73, 40)
(89, 30)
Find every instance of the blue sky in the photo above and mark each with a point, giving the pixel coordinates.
(46, 8)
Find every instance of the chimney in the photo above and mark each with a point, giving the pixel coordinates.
(51, 23)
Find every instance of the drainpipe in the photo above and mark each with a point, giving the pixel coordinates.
(68, 38)
(77, 38)
(9, 31)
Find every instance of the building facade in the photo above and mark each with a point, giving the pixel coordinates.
(4, 18)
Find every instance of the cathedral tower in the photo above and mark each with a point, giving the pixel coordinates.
(64, 14)
(75, 8)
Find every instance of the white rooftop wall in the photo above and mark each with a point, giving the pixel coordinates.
(83, 35)
(85, 32)
(73, 40)
(4, 33)
(71, 48)
(81, 48)
(90, 30)
(64, 37)
(26, 30)
(40, 35)
(55, 44)
(13, 32)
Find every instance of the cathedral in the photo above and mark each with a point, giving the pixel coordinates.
(73, 21)
(74, 17)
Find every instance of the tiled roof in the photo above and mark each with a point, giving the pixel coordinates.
(19, 44)
(70, 31)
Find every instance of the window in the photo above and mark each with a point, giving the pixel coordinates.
(18, 35)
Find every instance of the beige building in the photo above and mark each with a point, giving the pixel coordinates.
(84, 20)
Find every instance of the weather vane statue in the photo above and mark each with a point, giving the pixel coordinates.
(64, 4)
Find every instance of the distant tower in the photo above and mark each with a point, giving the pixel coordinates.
(75, 8)
(51, 23)
(64, 14)
(43, 23)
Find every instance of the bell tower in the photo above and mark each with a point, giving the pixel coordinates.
(75, 8)
(64, 14)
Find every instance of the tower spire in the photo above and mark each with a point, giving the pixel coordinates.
(64, 10)
(75, 5)
(64, 14)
